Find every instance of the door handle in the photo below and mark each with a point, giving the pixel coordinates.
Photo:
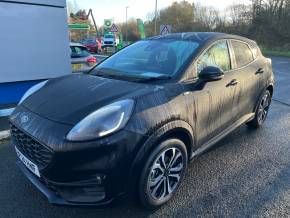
(232, 83)
(260, 71)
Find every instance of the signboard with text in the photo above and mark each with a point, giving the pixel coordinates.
(79, 26)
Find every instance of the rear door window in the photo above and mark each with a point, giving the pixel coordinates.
(79, 52)
(242, 52)
(216, 56)
(255, 50)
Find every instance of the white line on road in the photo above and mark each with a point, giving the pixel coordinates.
(4, 134)
(281, 102)
(282, 62)
(6, 112)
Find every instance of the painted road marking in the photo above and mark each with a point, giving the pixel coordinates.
(6, 112)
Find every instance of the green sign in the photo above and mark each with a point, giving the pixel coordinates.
(141, 28)
(79, 26)
(121, 44)
(107, 25)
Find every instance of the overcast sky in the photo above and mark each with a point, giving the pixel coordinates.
(137, 8)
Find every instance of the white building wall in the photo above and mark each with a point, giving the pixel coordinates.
(34, 41)
(59, 3)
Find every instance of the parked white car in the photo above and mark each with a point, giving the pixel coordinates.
(109, 40)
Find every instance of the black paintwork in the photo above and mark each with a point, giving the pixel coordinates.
(196, 111)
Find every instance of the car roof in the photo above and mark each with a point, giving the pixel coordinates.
(201, 37)
(76, 44)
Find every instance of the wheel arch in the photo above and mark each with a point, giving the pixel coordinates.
(270, 88)
(174, 129)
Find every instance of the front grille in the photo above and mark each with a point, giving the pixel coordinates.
(33, 150)
(109, 43)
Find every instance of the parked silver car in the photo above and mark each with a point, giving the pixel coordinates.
(81, 59)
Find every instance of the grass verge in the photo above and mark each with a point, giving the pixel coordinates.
(275, 52)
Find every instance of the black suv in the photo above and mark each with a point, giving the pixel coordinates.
(132, 124)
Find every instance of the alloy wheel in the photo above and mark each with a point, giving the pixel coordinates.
(165, 174)
(263, 108)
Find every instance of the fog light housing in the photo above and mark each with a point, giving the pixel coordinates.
(88, 194)
(90, 190)
(100, 179)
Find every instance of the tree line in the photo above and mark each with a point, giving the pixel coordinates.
(266, 21)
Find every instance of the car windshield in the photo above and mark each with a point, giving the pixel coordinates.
(79, 52)
(149, 58)
(109, 36)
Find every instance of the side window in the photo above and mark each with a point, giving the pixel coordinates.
(79, 51)
(255, 50)
(217, 56)
(243, 53)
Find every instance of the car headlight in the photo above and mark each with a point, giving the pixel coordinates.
(32, 90)
(103, 121)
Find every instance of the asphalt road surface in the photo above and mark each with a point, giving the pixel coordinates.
(246, 174)
(281, 67)
(3, 123)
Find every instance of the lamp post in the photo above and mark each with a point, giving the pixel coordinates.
(155, 27)
(126, 23)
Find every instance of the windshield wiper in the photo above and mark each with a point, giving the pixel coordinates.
(107, 75)
(154, 78)
(134, 78)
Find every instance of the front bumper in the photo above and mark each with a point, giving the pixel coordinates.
(53, 197)
(108, 46)
(80, 173)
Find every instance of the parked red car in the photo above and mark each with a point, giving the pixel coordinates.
(92, 45)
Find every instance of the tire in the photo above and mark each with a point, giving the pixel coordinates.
(158, 184)
(262, 110)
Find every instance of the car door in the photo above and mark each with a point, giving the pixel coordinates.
(215, 100)
(248, 70)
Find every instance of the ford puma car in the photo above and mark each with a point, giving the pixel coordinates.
(132, 124)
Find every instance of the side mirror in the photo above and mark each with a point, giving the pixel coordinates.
(211, 74)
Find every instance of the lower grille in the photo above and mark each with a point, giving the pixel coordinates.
(33, 150)
(48, 184)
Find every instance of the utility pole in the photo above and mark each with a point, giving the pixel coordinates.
(126, 23)
(155, 27)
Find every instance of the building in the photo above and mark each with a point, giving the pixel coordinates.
(34, 46)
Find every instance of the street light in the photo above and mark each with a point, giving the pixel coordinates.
(127, 23)
(155, 28)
